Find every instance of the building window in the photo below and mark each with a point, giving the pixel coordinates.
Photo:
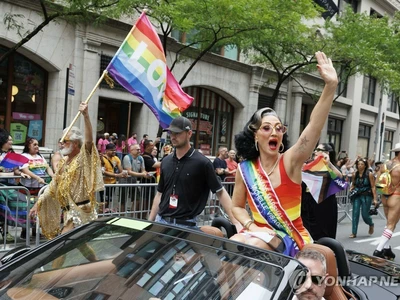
(342, 4)
(212, 118)
(264, 101)
(368, 93)
(393, 103)
(104, 61)
(343, 80)
(335, 132)
(364, 134)
(387, 144)
(23, 86)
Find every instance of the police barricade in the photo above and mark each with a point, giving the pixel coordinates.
(126, 199)
(131, 200)
(344, 205)
(15, 202)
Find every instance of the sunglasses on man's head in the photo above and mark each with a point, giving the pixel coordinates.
(320, 150)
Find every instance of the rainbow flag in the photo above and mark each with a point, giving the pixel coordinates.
(140, 67)
(13, 160)
(321, 180)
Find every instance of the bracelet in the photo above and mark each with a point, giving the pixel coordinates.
(248, 224)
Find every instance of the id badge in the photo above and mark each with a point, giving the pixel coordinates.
(173, 201)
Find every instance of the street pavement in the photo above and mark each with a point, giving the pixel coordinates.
(364, 242)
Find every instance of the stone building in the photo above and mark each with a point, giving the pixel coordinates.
(42, 84)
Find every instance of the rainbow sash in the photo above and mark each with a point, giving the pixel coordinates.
(264, 202)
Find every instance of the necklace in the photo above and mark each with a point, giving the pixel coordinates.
(273, 168)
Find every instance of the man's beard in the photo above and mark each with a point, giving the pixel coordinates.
(66, 150)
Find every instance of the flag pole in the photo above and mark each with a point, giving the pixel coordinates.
(86, 102)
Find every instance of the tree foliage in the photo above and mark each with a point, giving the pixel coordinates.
(279, 35)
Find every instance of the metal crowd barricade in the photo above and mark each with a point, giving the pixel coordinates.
(14, 218)
(344, 205)
(131, 200)
(127, 199)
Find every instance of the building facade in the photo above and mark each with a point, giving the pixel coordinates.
(42, 85)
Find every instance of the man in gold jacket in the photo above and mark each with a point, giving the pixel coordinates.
(73, 188)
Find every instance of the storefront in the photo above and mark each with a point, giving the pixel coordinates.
(211, 117)
(23, 86)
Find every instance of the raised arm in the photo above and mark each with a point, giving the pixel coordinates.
(83, 108)
(303, 148)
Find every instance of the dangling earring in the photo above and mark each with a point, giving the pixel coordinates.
(281, 148)
(256, 145)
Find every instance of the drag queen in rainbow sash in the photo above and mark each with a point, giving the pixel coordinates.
(270, 180)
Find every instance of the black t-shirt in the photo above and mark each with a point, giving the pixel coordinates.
(220, 163)
(193, 176)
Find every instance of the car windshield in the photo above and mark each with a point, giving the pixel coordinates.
(122, 259)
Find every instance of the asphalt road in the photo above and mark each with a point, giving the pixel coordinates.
(364, 242)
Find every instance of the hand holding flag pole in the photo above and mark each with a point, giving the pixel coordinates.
(86, 102)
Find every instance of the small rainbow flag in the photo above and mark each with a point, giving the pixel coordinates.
(140, 67)
(13, 160)
(321, 180)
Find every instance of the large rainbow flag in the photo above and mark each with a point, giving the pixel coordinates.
(321, 180)
(140, 67)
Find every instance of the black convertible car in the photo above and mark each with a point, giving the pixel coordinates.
(119, 258)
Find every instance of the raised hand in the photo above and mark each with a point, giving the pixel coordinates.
(83, 108)
(326, 69)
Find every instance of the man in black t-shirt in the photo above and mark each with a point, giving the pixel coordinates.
(219, 163)
(186, 179)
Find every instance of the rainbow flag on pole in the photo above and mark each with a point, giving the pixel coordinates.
(140, 67)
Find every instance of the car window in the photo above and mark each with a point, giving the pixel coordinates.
(122, 263)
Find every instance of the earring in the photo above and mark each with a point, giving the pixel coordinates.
(281, 148)
(256, 145)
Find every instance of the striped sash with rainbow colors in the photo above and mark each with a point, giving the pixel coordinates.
(264, 203)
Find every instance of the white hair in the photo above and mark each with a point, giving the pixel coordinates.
(75, 134)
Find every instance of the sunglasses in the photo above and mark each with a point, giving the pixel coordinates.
(316, 279)
(279, 128)
(320, 150)
(65, 141)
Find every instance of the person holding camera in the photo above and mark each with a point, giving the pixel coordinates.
(362, 192)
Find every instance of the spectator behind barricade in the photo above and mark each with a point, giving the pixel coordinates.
(120, 146)
(377, 169)
(154, 153)
(6, 143)
(56, 157)
(348, 170)
(112, 170)
(133, 163)
(103, 142)
(150, 163)
(145, 137)
(342, 154)
(37, 169)
(132, 140)
(219, 163)
(185, 181)
(151, 167)
(167, 150)
(231, 165)
(315, 283)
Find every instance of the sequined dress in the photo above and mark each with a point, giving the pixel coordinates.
(75, 182)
